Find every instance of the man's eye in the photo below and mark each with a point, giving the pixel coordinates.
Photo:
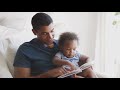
(44, 33)
(68, 49)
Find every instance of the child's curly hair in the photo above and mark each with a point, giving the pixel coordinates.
(67, 36)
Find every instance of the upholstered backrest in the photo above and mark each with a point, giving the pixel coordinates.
(4, 70)
(15, 29)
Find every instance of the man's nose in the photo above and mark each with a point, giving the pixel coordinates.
(50, 36)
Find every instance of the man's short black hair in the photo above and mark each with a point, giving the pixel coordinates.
(40, 19)
(67, 36)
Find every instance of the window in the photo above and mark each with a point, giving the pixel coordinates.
(108, 44)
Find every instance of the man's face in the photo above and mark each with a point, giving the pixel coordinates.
(45, 34)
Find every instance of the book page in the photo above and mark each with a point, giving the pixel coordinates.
(71, 73)
(78, 70)
(86, 65)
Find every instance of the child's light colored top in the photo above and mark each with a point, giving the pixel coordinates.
(75, 59)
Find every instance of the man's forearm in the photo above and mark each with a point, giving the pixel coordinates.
(44, 75)
(51, 73)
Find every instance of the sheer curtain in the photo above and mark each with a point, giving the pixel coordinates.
(107, 50)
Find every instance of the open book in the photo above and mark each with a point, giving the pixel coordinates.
(78, 70)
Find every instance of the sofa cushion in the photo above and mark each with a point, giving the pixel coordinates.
(16, 20)
(4, 71)
(14, 42)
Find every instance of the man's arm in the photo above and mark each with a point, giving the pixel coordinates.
(25, 73)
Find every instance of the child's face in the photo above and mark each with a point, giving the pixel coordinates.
(69, 48)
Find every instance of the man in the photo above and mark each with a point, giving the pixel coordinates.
(34, 59)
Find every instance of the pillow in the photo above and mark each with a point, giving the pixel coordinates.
(4, 71)
(16, 20)
(11, 51)
(3, 47)
(6, 32)
(13, 44)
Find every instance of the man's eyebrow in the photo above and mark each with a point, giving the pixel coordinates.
(44, 32)
(47, 32)
(68, 48)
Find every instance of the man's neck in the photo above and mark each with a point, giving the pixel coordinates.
(49, 46)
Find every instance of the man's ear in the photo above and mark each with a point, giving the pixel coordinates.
(34, 31)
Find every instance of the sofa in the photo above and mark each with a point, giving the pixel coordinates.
(15, 29)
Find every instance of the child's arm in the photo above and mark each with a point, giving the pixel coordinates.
(60, 62)
(83, 59)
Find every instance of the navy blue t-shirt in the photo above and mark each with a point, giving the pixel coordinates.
(36, 56)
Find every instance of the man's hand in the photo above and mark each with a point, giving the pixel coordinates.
(72, 66)
(25, 73)
(57, 72)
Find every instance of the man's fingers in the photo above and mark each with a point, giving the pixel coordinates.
(63, 71)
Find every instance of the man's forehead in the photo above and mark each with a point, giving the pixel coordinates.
(47, 28)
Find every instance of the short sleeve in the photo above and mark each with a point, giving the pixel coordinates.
(59, 55)
(21, 59)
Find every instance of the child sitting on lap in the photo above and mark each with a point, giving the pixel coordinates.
(68, 55)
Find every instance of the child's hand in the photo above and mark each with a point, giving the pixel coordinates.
(70, 67)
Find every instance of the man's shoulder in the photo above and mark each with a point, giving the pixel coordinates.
(26, 44)
(23, 46)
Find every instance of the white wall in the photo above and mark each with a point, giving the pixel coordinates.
(84, 24)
